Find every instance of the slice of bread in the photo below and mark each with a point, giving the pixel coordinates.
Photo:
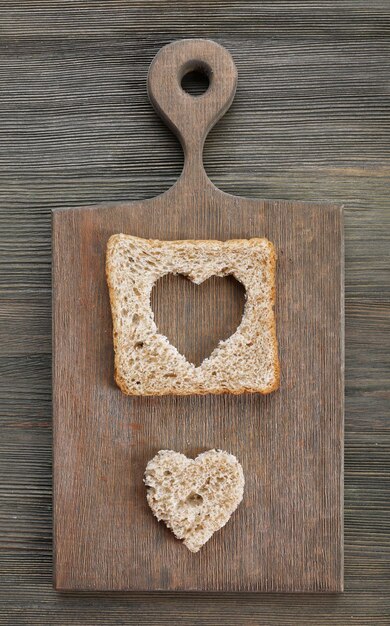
(194, 498)
(146, 363)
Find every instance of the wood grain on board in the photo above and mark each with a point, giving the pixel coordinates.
(310, 121)
(287, 533)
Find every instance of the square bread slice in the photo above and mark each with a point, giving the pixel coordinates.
(146, 363)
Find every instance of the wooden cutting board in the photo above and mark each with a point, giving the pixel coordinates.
(287, 533)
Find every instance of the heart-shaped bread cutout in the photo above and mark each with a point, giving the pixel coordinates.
(194, 497)
(196, 317)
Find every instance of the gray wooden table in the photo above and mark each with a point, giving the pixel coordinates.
(310, 121)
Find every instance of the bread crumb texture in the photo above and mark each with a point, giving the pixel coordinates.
(146, 363)
(194, 497)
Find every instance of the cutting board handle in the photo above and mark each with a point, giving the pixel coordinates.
(191, 117)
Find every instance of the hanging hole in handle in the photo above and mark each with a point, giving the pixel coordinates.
(195, 78)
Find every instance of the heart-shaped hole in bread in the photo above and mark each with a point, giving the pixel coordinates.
(194, 497)
(147, 362)
(195, 318)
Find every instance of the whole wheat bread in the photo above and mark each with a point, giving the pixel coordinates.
(146, 363)
(195, 498)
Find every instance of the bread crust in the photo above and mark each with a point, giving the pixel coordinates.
(155, 244)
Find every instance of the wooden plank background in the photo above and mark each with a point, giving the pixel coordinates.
(310, 121)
